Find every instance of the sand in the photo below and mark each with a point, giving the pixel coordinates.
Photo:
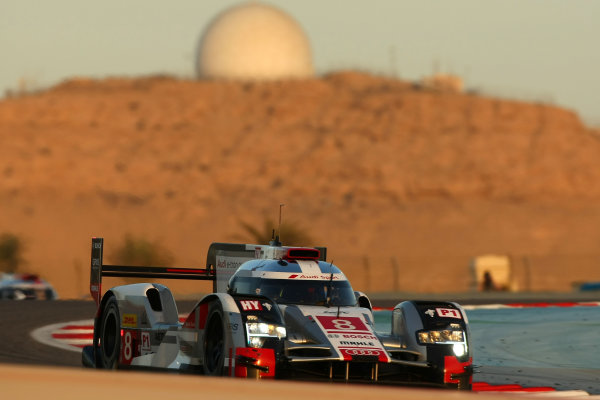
(20, 382)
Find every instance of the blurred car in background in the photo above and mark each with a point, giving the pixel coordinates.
(25, 287)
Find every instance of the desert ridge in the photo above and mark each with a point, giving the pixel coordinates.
(403, 184)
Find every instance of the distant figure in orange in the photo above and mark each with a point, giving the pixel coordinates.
(488, 284)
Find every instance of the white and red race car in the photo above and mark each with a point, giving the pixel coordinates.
(25, 287)
(276, 312)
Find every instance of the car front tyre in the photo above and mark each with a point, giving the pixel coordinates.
(110, 338)
(214, 341)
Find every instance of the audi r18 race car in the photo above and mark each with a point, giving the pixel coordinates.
(25, 287)
(275, 312)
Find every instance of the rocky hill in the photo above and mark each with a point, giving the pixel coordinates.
(404, 185)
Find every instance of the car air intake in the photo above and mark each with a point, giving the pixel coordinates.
(154, 299)
(309, 352)
(365, 358)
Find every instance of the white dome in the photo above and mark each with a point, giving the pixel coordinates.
(254, 41)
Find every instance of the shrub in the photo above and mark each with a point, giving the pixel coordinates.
(141, 252)
(11, 248)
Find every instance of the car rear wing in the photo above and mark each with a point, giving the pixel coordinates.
(222, 260)
(98, 270)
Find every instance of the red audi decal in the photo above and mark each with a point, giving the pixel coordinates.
(348, 353)
(361, 352)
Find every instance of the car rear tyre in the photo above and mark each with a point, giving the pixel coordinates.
(214, 341)
(110, 338)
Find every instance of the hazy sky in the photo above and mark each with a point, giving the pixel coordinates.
(535, 50)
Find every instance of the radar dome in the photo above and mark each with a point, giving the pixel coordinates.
(254, 41)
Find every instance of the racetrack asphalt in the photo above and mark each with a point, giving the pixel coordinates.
(19, 318)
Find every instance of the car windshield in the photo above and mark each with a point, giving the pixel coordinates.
(287, 291)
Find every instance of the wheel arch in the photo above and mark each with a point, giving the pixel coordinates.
(108, 298)
(233, 329)
(446, 366)
(97, 322)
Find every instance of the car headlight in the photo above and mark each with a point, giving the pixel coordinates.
(459, 349)
(257, 332)
(443, 336)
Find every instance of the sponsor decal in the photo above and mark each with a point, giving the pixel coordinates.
(129, 321)
(448, 313)
(146, 347)
(129, 346)
(320, 277)
(343, 324)
(359, 344)
(352, 337)
(363, 352)
(251, 305)
(226, 267)
(229, 263)
(358, 336)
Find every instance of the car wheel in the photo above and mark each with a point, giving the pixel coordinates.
(214, 341)
(110, 338)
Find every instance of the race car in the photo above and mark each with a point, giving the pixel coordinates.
(25, 287)
(275, 312)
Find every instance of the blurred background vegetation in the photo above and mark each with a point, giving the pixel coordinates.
(11, 252)
(139, 251)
